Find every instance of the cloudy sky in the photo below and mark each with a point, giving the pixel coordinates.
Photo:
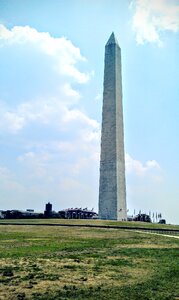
(51, 84)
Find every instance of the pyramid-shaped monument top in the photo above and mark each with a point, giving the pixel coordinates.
(112, 40)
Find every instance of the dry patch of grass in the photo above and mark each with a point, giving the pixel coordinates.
(44, 275)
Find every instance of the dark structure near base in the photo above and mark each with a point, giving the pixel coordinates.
(142, 218)
(19, 214)
(48, 210)
(69, 213)
(77, 213)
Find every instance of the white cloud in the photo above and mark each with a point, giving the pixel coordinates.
(63, 52)
(152, 17)
(12, 122)
(70, 184)
(146, 183)
(73, 153)
(54, 108)
(37, 162)
(76, 115)
(138, 168)
(58, 143)
(65, 170)
(49, 111)
(8, 180)
(71, 96)
(4, 173)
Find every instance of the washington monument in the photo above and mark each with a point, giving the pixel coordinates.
(112, 186)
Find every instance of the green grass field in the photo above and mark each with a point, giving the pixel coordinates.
(42, 262)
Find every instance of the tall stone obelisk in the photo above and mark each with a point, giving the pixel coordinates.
(112, 187)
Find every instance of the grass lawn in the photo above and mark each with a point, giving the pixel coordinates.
(42, 262)
(90, 222)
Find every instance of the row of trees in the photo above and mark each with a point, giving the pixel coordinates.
(155, 217)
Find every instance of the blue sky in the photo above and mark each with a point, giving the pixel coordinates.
(51, 83)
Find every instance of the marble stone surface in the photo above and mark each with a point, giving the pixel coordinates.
(112, 188)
